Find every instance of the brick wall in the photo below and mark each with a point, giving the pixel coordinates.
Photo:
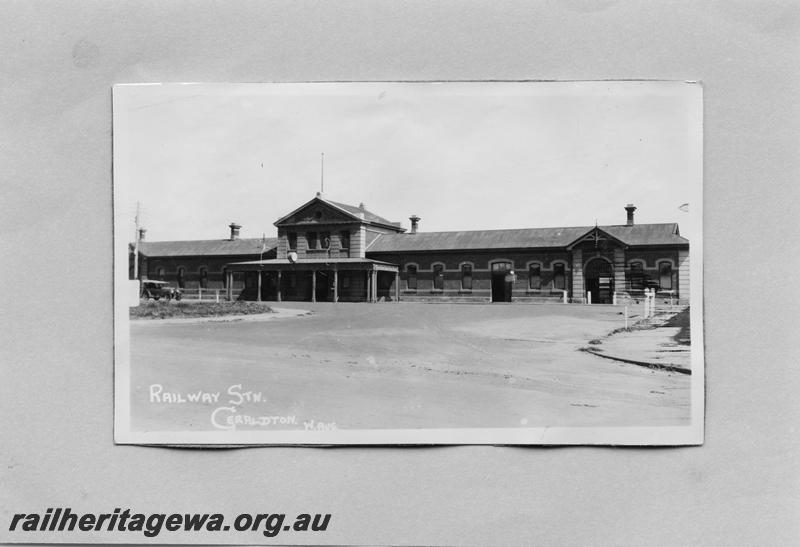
(481, 272)
(149, 268)
(683, 276)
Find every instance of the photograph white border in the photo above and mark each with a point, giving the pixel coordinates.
(692, 434)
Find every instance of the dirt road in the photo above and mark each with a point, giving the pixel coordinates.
(386, 366)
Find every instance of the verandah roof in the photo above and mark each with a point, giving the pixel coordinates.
(312, 264)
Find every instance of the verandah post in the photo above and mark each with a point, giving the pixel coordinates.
(335, 285)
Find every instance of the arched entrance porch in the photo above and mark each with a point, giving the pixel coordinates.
(598, 279)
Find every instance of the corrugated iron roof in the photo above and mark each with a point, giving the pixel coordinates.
(648, 234)
(639, 234)
(206, 247)
(356, 211)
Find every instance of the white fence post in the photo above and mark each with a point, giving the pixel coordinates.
(564, 296)
(614, 299)
(588, 297)
(652, 302)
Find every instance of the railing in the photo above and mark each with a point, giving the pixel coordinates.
(208, 295)
(561, 294)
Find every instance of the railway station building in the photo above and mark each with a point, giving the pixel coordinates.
(331, 251)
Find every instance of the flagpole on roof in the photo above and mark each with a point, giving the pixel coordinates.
(322, 174)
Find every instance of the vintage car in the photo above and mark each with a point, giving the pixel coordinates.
(157, 289)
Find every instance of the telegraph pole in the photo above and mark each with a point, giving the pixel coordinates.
(136, 245)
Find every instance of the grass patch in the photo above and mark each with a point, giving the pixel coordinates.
(171, 309)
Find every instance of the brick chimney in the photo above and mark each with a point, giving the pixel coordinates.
(234, 230)
(630, 209)
(142, 232)
(414, 223)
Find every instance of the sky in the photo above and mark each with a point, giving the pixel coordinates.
(460, 155)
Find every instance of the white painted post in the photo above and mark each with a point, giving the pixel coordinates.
(614, 299)
(200, 294)
(216, 295)
(646, 313)
(652, 302)
(588, 297)
(564, 296)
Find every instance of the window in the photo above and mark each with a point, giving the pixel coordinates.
(466, 277)
(636, 275)
(203, 277)
(535, 276)
(344, 239)
(160, 273)
(559, 278)
(292, 241)
(665, 276)
(411, 277)
(311, 237)
(438, 277)
(325, 240)
(181, 279)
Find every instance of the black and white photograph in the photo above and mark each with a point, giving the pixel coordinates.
(408, 262)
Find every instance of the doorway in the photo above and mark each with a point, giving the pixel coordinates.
(598, 277)
(324, 290)
(502, 281)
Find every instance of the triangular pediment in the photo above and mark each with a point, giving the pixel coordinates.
(317, 211)
(598, 237)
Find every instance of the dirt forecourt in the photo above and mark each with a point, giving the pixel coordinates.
(395, 365)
